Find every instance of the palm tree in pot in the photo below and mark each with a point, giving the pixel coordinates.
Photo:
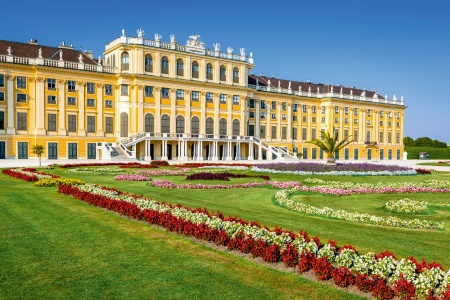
(330, 144)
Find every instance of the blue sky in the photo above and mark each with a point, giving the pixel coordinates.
(393, 47)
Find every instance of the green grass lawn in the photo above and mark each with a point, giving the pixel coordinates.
(55, 247)
(256, 204)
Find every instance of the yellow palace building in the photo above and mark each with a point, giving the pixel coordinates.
(147, 99)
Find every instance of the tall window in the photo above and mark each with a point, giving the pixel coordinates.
(223, 98)
(109, 124)
(90, 124)
(236, 127)
(124, 90)
(381, 138)
(209, 71)
(223, 126)
(368, 136)
(274, 105)
(22, 121)
(295, 107)
(180, 94)
(123, 124)
(165, 93)
(72, 123)
(71, 101)
(180, 67)
(148, 63)
(235, 99)
(125, 61)
(294, 133)
(274, 132)
(195, 125)
(51, 122)
(90, 88)
(263, 104)
(148, 91)
(51, 84)
(223, 73)
(195, 69)
(355, 135)
(2, 119)
(165, 124)
(283, 132)
(90, 102)
(21, 82)
(70, 86)
(165, 65)
(108, 89)
(149, 123)
(195, 96)
(2, 80)
(263, 131)
(209, 97)
(236, 75)
(209, 125)
(180, 124)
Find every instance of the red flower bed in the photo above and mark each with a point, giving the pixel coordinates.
(404, 289)
(343, 277)
(26, 177)
(225, 176)
(423, 171)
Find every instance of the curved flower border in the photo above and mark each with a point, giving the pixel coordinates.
(283, 198)
(170, 185)
(339, 173)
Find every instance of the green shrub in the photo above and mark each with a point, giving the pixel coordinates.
(435, 153)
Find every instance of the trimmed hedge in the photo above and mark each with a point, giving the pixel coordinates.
(435, 153)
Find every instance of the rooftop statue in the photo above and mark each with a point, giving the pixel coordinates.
(340, 91)
(229, 50)
(60, 55)
(351, 92)
(318, 90)
(40, 53)
(279, 84)
(80, 58)
(268, 83)
(123, 32)
(242, 51)
(140, 33)
(194, 41)
(309, 89)
(299, 88)
(9, 50)
(157, 37)
(172, 39)
(216, 47)
(363, 94)
(289, 87)
(331, 89)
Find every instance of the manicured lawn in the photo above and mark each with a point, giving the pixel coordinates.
(55, 247)
(256, 204)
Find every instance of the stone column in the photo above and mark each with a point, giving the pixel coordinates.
(11, 129)
(269, 120)
(173, 110)
(289, 119)
(308, 131)
(279, 122)
(40, 104)
(157, 64)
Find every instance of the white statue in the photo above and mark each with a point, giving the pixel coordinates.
(216, 47)
(157, 37)
(385, 96)
(395, 98)
(140, 33)
(99, 60)
(289, 87)
(279, 84)
(363, 94)
(242, 51)
(340, 91)
(375, 95)
(60, 55)
(331, 89)
(318, 90)
(257, 81)
(40, 53)
(299, 88)
(123, 32)
(229, 50)
(401, 99)
(251, 54)
(194, 40)
(309, 89)
(351, 92)
(172, 39)
(9, 50)
(268, 83)
(80, 58)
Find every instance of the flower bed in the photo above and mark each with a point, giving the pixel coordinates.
(439, 184)
(179, 172)
(407, 206)
(361, 169)
(201, 165)
(27, 174)
(225, 176)
(383, 274)
(131, 177)
(97, 171)
(283, 197)
(170, 185)
(227, 168)
(52, 182)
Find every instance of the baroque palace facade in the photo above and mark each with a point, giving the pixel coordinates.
(150, 99)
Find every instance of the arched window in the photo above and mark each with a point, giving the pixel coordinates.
(236, 75)
(148, 63)
(149, 123)
(209, 72)
(164, 65)
(165, 124)
(223, 126)
(123, 124)
(195, 69)
(180, 124)
(209, 125)
(195, 125)
(125, 61)
(236, 127)
(223, 73)
(180, 67)
(368, 136)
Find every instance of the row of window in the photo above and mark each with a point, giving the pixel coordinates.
(52, 150)
(148, 67)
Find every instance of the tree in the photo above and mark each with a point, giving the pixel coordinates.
(409, 142)
(38, 150)
(424, 142)
(330, 144)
